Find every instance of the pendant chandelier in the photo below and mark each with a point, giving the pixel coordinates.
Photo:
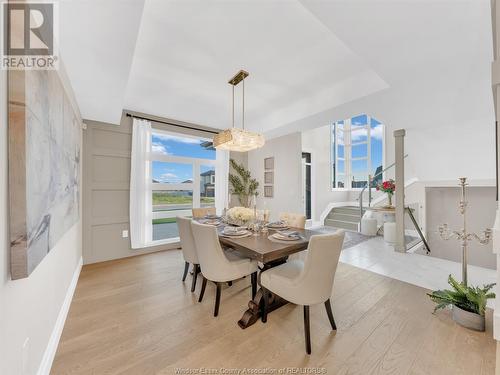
(235, 139)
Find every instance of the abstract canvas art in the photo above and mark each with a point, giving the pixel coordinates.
(44, 167)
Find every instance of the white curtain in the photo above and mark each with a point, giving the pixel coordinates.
(141, 206)
(222, 181)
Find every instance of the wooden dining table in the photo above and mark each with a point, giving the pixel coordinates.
(270, 253)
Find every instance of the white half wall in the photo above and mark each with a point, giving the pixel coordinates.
(30, 308)
(287, 153)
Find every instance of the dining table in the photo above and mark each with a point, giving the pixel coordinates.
(270, 252)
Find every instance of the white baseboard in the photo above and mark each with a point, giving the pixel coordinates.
(50, 351)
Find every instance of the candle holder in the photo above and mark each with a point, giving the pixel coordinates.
(462, 235)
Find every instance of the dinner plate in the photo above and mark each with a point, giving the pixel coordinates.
(278, 227)
(235, 233)
(239, 235)
(280, 237)
(212, 217)
(212, 222)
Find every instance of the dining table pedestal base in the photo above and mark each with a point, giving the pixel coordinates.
(254, 311)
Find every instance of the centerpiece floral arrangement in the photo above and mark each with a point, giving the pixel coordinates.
(387, 187)
(239, 215)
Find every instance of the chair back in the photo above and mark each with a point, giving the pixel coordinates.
(321, 262)
(187, 240)
(294, 220)
(213, 262)
(199, 213)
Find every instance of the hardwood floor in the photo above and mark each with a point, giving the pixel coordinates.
(135, 316)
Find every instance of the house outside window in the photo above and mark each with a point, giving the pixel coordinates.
(357, 152)
(183, 172)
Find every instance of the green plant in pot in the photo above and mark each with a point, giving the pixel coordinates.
(468, 303)
(242, 183)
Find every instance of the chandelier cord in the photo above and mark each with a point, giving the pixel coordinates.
(233, 106)
(243, 109)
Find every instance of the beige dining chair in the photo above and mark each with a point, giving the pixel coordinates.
(294, 220)
(188, 249)
(306, 283)
(217, 265)
(199, 213)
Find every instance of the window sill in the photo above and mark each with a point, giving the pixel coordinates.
(166, 241)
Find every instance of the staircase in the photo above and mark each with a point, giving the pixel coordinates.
(347, 217)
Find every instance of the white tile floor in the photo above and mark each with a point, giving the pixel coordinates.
(428, 272)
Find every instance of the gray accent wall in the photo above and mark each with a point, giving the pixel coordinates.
(106, 188)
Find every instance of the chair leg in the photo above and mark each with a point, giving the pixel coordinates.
(265, 304)
(195, 277)
(217, 299)
(307, 329)
(330, 314)
(254, 284)
(186, 269)
(203, 286)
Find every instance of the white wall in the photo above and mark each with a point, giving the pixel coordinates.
(287, 152)
(317, 142)
(29, 307)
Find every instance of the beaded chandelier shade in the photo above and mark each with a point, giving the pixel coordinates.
(235, 139)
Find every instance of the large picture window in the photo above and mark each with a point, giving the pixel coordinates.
(357, 152)
(183, 171)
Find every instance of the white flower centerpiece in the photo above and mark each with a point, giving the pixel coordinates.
(239, 216)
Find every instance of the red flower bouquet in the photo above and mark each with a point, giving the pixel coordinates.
(387, 187)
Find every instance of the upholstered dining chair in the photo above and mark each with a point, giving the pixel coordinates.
(199, 213)
(309, 282)
(293, 220)
(296, 221)
(188, 249)
(217, 265)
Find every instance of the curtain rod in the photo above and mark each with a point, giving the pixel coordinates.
(170, 123)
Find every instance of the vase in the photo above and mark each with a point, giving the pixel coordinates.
(468, 319)
(389, 198)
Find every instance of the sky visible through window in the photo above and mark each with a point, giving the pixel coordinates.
(377, 133)
(358, 150)
(167, 144)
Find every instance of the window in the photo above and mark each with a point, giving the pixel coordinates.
(357, 152)
(183, 176)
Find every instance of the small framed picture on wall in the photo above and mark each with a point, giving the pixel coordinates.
(269, 163)
(269, 177)
(268, 191)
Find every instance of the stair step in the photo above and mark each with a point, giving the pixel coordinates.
(344, 217)
(346, 210)
(341, 224)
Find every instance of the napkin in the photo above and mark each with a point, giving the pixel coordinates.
(278, 223)
(289, 233)
(233, 230)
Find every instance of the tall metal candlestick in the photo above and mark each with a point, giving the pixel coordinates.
(462, 234)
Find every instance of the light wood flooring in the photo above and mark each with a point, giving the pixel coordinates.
(135, 316)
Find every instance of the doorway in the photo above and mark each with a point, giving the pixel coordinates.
(306, 184)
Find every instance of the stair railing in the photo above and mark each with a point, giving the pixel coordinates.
(369, 186)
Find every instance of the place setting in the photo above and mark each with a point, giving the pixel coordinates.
(285, 236)
(235, 232)
(214, 220)
(277, 225)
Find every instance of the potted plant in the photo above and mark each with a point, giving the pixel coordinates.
(468, 303)
(242, 183)
(387, 187)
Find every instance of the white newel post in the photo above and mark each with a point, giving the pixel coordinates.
(399, 158)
